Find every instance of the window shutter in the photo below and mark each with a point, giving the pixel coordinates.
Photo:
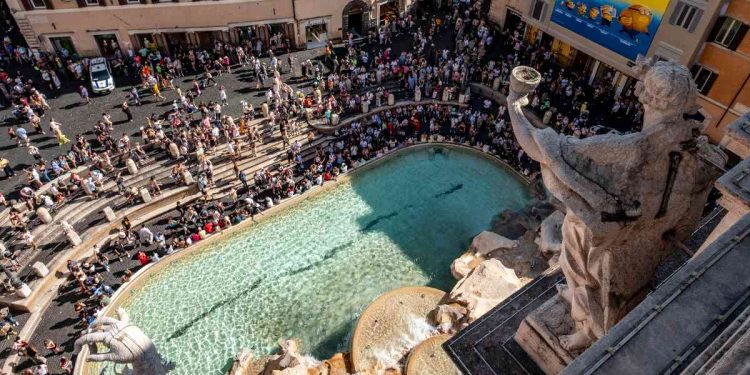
(123, 2)
(709, 83)
(27, 4)
(717, 27)
(696, 20)
(81, 3)
(102, 3)
(49, 5)
(694, 70)
(676, 13)
(544, 12)
(144, 1)
(738, 37)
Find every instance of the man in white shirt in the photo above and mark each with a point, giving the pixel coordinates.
(145, 236)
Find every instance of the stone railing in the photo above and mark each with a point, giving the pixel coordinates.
(324, 128)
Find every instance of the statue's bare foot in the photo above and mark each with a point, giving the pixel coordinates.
(565, 292)
(575, 342)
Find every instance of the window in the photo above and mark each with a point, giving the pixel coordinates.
(686, 16)
(92, 2)
(728, 32)
(538, 9)
(703, 77)
(134, 1)
(38, 4)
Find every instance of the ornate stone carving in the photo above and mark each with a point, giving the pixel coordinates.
(628, 197)
(127, 344)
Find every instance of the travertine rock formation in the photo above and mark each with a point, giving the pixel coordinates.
(487, 285)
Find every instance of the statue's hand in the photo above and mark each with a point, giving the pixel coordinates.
(515, 98)
(126, 342)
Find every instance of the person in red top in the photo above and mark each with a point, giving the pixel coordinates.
(209, 227)
(142, 258)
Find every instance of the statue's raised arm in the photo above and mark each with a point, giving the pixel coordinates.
(523, 80)
(566, 161)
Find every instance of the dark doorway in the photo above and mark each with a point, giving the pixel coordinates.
(513, 21)
(355, 18)
(355, 24)
(107, 44)
(63, 45)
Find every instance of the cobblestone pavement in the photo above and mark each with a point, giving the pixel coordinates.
(79, 118)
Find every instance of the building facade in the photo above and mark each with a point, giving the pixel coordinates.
(604, 39)
(722, 70)
(98, 27)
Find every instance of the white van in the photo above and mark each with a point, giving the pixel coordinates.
(101, 76)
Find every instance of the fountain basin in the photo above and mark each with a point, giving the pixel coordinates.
(392, 325)
(429, 358)
(308, 267)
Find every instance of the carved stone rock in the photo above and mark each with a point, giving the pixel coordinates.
(550, 236)
(487, 285)
(487, 242)
(464, 264)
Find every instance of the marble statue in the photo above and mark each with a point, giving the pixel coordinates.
(628, 197)
(127, 344)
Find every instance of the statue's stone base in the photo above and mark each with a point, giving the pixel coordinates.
(539, 331)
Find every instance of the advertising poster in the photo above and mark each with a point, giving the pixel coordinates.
(625, 27)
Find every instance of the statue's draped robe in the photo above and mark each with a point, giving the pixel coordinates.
(609, 263)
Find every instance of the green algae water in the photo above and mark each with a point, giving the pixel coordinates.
(309, 271)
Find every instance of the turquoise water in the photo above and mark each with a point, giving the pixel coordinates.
(309, 271)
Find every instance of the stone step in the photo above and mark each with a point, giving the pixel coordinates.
(141, 179)
(74, 214)
(84, 209)
(167, 174)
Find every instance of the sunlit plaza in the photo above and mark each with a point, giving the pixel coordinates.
(421, 187)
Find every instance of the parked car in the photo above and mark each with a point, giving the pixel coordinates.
(101, 76)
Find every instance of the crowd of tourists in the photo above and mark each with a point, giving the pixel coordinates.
(358, 79)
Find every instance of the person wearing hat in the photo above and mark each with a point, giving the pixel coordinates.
(5, 163)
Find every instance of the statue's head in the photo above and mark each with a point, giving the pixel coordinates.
(666, 89)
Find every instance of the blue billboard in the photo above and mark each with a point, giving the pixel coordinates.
(625, 27)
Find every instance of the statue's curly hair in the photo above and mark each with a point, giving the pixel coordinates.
(666, 86)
